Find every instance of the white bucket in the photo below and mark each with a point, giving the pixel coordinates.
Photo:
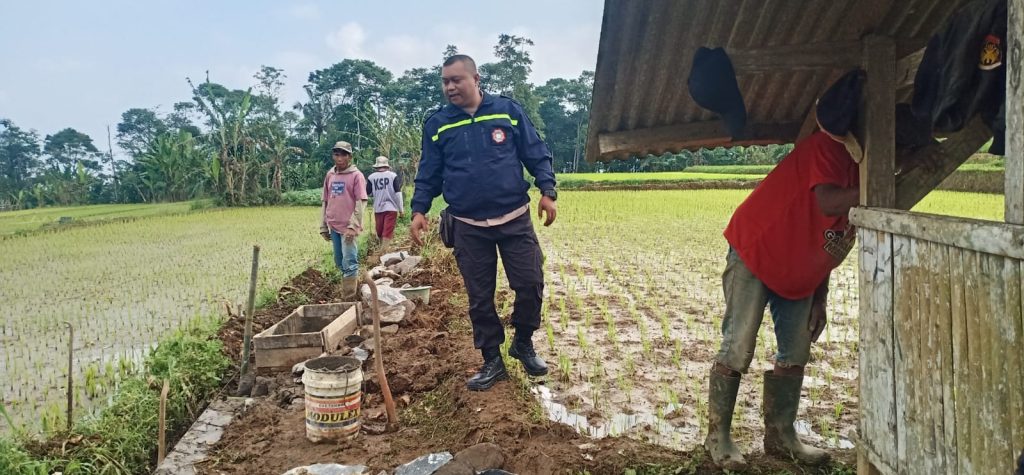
(333, 397)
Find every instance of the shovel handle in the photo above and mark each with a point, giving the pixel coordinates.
(378, 362)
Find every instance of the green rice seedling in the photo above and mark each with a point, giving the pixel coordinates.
(645, 340)
(613, 337)
(581, 337)
(563, 315)
(564, 367)
(666, 326)
(551, 334)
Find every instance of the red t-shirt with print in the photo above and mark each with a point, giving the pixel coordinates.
(780, 232)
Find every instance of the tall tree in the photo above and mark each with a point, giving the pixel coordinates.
(226, 113)
(19, 156)
(418, 92)
(69, 148)
(509, 76)
(565, 108)
(175, 168)
(317, 112)
(137, 130)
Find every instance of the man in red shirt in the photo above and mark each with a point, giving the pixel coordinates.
(785, 239)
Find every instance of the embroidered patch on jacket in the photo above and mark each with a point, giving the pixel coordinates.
(991, 55)
(498, 136)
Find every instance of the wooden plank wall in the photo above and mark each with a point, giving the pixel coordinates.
(1015, 115)
(952, 400)
(877, 384)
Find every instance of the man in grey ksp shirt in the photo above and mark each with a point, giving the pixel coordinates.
(385, 187)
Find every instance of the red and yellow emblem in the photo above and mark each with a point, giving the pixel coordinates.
(498, 135)
(991, 55)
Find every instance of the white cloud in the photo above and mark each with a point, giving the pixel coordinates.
(304, 11)
(403, 52)
(348, 40)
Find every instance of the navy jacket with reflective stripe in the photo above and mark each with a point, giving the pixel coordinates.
(477, 161)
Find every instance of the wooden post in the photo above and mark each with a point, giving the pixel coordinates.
(162, 424)
(71, 367)
(247, 336)
(877, 169)
(1015, 116)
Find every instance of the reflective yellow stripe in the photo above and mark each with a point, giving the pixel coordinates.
(470, 121)
(497, 116)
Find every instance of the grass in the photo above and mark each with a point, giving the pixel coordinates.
(32, 220)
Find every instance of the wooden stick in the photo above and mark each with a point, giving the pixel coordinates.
(378, 362)
(162, 442)
(247, 337)
(71, 367)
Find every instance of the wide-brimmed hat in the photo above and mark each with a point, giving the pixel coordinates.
(381, 162)
(836, 111)
(342, 145)
(713, 86)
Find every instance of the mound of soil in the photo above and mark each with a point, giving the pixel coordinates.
(427, 363)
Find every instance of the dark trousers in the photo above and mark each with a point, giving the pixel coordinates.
(476, 251)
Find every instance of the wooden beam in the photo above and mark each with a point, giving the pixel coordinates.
(877, 169)
(810, 56)
(795, 57)
(906, 68)
(1014, 194)
(691, 136)
(924, 169)
(1000, 239)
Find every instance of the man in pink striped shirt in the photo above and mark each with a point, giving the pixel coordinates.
(344, 203)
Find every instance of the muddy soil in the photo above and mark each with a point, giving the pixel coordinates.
(427, 362)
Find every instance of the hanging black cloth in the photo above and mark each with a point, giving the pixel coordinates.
(963, 72)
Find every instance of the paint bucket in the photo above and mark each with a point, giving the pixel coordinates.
(333, 397)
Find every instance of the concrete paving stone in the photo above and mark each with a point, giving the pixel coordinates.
(216, 418)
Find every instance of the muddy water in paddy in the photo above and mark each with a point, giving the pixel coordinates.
(630, 347)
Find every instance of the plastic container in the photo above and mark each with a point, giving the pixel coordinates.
(333, 398)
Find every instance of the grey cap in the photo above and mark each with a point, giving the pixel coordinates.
(342, 145)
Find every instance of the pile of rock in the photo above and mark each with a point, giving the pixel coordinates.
(395, 306)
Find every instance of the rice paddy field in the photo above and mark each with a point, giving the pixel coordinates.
(29, 220)
(634, 307)
(631, 322)
(122, 285)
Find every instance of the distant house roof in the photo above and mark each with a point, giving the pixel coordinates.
(786, 52)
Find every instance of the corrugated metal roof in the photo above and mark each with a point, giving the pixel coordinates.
(647, 46)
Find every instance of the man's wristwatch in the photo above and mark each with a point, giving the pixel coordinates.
(551, 193)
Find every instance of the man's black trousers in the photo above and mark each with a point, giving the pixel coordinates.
(476, 251)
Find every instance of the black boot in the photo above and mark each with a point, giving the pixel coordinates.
(491, 372)
(522, 350)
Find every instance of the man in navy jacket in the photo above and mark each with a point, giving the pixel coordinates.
(474, 151)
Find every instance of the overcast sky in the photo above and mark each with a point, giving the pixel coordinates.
(82, 63)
